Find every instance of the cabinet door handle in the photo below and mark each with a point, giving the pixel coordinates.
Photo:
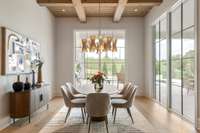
(41, 97)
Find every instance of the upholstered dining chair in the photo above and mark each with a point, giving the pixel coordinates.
(120, 78)
(73, 93)
(126, 102)
(72, 103)
(98, 106)
(123, 92)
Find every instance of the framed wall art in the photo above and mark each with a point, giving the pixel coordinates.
(16, 52)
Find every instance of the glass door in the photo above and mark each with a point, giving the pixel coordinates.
(183, 60)
(161, 61)
(176, 71)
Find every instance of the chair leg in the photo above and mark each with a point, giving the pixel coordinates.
(106, 121)
(115, 112)
(83, 115)
(85, 111)
(117, 84)
(89, 125)
(87, 119)
(68, 113)
(129, 112)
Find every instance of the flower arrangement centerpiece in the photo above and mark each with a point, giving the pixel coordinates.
(98, 80)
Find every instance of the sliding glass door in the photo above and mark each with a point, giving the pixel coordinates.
(161, 61)
(183, 59)
(178, 76)
(176, 60)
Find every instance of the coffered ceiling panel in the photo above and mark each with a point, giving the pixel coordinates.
(105, 11)
(62, 11)
(138, 11)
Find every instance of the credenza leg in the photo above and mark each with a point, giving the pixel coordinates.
(13, 120)
(29, 118)
(47, 106)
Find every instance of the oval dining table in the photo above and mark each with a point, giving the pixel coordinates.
(89, 88)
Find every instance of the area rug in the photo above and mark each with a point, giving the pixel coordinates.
(74, 123)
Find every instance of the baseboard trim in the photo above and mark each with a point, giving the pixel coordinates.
(5, 122)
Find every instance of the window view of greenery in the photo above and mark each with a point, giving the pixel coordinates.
(89, 63)
(107, 63)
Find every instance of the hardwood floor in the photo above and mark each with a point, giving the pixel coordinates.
(159, 117)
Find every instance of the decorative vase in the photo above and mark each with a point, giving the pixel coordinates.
(27, 85)
(33, 78)
(39, 78)
(98, 87)
(18, 86)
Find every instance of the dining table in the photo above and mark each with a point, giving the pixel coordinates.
(107, 88)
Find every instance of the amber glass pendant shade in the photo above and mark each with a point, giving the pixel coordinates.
(109, 41)
(99, 44)
(114, 46)
(93, 46)
(84, 45)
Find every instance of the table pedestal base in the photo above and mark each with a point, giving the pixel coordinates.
(98, 119)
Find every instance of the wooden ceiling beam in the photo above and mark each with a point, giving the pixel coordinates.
(79, 10)
(119, 10)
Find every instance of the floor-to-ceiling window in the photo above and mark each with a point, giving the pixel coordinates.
(179, 45)
(89, 63)
(160, 43)
(183, 59)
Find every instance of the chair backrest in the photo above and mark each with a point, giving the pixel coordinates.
(128, 91)
(73, 89)
(124, 88)
(68, 89)
(98, 104)
(132, 97)
(120, 77)
(67, 100)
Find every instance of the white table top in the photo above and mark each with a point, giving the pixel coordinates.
(89, 88)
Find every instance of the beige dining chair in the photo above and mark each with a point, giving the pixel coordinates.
(72, 103)
(98, 106)
(123, 92)
(124, 103)
(73, 93)
(120, 78)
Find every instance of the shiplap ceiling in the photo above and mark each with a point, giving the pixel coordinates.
(108, 8)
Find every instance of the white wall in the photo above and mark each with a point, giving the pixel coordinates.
(148, 48)
(26, 17)
(134, 28)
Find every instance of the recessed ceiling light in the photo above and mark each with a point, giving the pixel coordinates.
(135, 10)
(63, 10)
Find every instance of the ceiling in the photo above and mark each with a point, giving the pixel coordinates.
(108, 8)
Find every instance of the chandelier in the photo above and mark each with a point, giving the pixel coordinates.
(101, 42)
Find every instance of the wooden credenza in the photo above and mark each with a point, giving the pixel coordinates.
(25, 103)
